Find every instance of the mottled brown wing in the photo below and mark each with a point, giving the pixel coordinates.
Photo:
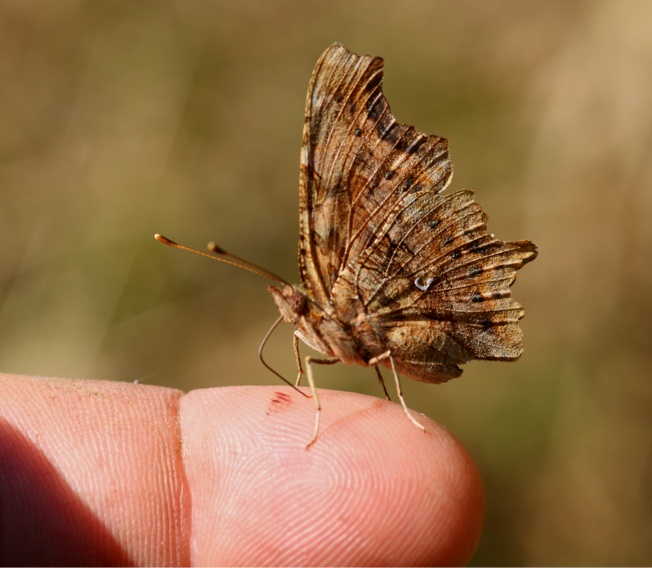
(432, 281)
(436, 284)
(357, 166)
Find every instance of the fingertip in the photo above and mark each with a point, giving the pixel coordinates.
(373, 489)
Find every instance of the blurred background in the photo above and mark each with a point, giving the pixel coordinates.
(119, 119)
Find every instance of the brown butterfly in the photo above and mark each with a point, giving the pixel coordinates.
(393, 272)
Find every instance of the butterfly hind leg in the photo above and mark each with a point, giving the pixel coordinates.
(397, 380)
(382, 383)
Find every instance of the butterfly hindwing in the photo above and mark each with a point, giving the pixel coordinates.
(437, 284)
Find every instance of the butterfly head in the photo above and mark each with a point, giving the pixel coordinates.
(291, 302)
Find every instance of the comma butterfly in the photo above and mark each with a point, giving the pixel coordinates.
(393, 273)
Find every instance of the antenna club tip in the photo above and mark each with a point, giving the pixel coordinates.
(162, 239)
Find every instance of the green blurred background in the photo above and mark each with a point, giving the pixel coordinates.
(119, 119)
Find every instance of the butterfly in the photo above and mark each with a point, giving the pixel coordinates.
(394, 273)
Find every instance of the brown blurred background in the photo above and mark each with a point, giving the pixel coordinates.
(119, 119)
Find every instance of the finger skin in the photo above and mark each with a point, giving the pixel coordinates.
(95, 472)
(91, 473)
(373, 489)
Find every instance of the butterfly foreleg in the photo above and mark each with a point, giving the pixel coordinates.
(313, 390)
(399, 390)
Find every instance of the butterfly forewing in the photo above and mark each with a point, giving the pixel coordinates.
(357, 163)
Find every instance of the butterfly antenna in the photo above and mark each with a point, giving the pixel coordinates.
(220, 254)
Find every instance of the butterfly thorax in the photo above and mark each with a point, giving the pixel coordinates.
(345, 333)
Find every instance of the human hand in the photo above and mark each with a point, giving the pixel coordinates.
(95, 472)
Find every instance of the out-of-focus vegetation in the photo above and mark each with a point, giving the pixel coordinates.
(120, 119)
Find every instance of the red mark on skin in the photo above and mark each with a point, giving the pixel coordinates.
(280, 401)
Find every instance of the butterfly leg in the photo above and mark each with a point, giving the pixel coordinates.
(382, 382)
(262, 359)
(313, 390)
(399, 390)
(297, 357)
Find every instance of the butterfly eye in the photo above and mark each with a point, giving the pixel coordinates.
(298, 303)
